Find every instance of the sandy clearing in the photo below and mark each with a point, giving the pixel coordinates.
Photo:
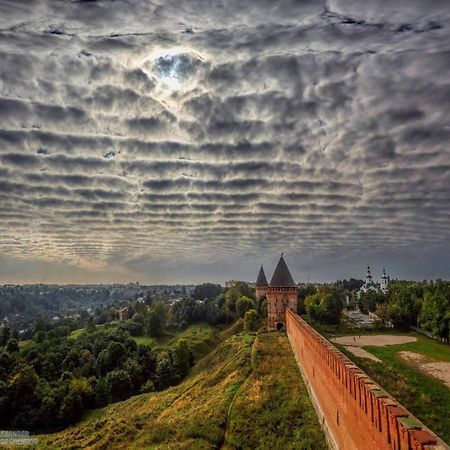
(360, 352)
(377, 340)
(437, 369)
(354, 344)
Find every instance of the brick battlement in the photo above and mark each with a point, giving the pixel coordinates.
(353, 410)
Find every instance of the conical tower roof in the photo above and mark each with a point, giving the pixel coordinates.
(282, 277)
(262, 280)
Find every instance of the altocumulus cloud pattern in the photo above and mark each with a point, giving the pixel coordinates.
(192, 140)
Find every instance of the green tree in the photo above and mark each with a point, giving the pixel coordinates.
(164, 373)
(326, 305)
(71, 407)
(83, 388)
(156, 319)
(12, 346)
(7, 362)
(314, 307)
(182, 359)
(141, 309)
(22, 399)
(134, 370)
(4, 335)
(139, 317)
(207, 291)
(369, 300)
(147, 360)
(72, 360)
(435, 313)
(302, 293)
(381, 311)
(148, 386)
(261, 306)
(40, 324)
(238, 289)
(111, 357)
(102, 392)
(120, 384)
(50, 403)
(404, 305)
(243, 304)
(251, 320)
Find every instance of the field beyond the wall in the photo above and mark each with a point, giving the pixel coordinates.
(415, 372)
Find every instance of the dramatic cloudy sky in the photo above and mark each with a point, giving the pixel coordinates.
(169, 140)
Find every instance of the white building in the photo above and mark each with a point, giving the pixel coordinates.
(370, 285)
(384, 282)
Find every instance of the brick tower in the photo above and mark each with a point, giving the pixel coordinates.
(261, 284)
(281, 294)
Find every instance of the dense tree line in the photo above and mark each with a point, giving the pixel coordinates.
(207, 291)
(352, 284)
(325, 305)
(188, 310)
(48, 382)
(406, 304)
(409, 304)
(302, 293)
(54, 378)
(216, 306)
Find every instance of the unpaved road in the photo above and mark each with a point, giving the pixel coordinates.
(377, 340)
(354, 344)
(437, 369)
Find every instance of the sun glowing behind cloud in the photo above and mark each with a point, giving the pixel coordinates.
(173, 68)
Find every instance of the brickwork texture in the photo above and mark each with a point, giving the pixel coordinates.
(354, 411)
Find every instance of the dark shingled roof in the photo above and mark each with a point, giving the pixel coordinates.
(282, 277)
(262, 280)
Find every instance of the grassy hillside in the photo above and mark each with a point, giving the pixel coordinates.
(247, 393)
(272, 408)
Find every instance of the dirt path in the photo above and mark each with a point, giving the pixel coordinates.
(355, 344)
(376, 340)
(230, 408)
(437, 369)
(361, 353)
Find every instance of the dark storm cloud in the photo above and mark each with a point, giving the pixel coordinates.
(75, 163)
(19, 159)
(68, 142)
(224, 132)
(138, 79)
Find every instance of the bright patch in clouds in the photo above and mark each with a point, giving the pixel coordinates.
(172, 69)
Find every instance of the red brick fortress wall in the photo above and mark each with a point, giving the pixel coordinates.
(354, 411)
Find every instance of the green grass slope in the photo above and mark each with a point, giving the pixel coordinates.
(272, 408)
(247, 393)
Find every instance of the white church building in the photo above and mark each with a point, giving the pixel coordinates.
(369, 284)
